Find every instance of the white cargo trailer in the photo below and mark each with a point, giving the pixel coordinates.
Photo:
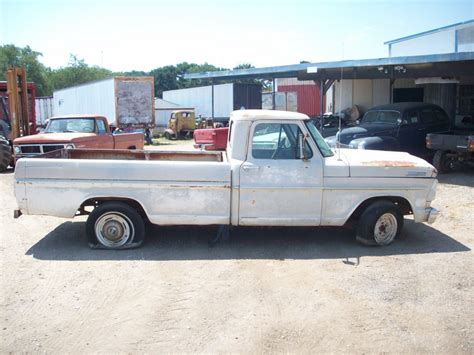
(43, 109)
(217, 102)
(123, 100)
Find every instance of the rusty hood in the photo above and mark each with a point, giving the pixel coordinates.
(379, 163)
(43, 138)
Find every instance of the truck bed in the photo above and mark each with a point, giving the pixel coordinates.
(455, 140)
(172, 187)
(125, 154)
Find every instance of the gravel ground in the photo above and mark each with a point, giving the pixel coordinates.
(268, 290)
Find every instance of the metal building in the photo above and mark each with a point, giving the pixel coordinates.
(455, 38)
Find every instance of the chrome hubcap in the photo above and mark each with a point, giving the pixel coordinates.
(385, 229)
(114, 229)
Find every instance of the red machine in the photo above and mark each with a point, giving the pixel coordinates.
(211, 138)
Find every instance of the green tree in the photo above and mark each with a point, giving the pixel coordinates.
(12, 56)
(77, 72)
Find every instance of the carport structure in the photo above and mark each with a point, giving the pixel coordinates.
(439, 75)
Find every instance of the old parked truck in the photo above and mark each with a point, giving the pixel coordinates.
(277, 171)
(454, 148)
(76, 131)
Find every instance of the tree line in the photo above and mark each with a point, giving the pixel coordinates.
(78, 72)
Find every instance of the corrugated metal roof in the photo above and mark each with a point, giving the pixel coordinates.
(439, 29)
(289, 71)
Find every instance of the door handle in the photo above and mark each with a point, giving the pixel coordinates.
(250, 167)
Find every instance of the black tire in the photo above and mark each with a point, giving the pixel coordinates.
(442, 163)
(115, 225)
(389, 219)
(5, 154)
(168, 136)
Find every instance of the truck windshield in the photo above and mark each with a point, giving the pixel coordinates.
(320, 142)
(79, 125)
(390, 117)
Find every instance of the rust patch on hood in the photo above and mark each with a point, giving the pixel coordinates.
(388, 163)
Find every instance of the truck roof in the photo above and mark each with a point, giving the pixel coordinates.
(77, 116)
(253, 115)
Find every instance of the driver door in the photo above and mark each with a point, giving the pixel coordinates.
(278, 187)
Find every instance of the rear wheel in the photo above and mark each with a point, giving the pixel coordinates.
(443, 162)
(5, 154)
(115, 225)
(380, 224)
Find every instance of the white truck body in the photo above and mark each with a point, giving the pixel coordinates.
(237, 188)
(123, 100)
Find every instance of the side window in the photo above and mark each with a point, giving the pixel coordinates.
(100, 127)
(278, 141)
(427, 116)
(441, 116)
(411, 117)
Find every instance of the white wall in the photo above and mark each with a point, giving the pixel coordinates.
(434, 43)
(466, 39)
(366, 93)
(93, 98)
(201, 99)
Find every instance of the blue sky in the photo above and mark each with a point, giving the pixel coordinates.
(142, 35)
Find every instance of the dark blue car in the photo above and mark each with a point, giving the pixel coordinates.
(397, 127)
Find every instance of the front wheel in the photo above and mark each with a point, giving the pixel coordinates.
(115, 225)
(380, 224)
(5, 154)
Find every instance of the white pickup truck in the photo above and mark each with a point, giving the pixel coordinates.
(277, 171)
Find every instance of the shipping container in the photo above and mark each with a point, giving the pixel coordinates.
(309, 100)
(227, 98)
(123, 100)
(44, 110)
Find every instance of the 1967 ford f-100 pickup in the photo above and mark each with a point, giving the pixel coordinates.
(277, 171)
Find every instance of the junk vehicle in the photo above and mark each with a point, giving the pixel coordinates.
(395, 127)
(454, 148)
(125, 101)
(17, 112)
(277, 171)
(211, 138)
(182, 123)
(75, 131)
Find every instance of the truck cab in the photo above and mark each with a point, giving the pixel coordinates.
(75, 131)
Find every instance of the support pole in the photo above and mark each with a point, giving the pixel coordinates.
(212, 98)
(321, 96)
(273, 94)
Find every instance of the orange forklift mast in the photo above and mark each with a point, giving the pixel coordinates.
(17, 92)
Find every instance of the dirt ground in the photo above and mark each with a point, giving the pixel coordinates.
(265, 291)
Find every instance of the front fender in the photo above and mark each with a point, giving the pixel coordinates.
(375, 143)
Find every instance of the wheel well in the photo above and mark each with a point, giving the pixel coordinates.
(97, 201)
(402, 203)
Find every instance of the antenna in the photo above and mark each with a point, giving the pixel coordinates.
(340, 103)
